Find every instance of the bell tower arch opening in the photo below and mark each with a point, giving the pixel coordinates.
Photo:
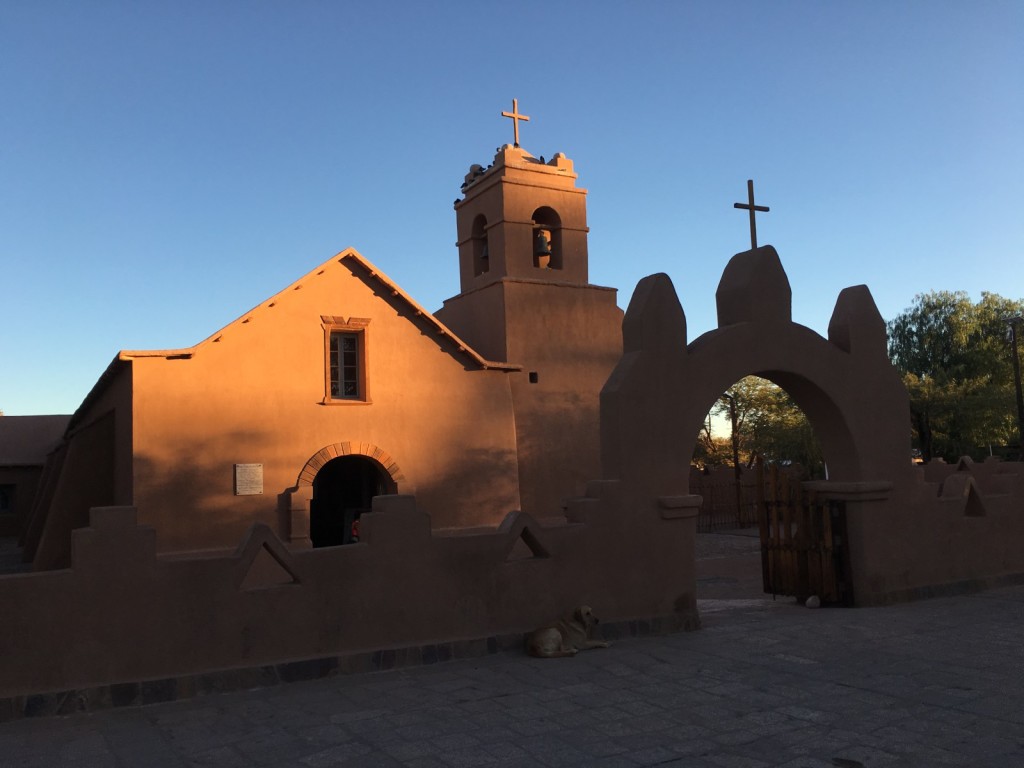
(343, 490)
(481, 252)
(547, 239)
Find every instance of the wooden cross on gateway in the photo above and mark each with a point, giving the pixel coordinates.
(516, 117)
(749, 206)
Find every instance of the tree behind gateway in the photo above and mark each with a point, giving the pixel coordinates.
(768, 423)
(955, 360)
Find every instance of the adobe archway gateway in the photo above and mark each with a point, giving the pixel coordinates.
(845, 384)
(911, 533)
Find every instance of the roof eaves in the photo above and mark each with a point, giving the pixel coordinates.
(420, 312)
(93, 395)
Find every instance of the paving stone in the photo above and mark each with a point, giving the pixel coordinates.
(219, 756)
(614, 761)
(737, 761)
(336, 755)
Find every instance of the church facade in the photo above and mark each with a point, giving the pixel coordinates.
(341, 387)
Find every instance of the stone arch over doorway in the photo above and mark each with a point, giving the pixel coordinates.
(301, 506)
(333, 451)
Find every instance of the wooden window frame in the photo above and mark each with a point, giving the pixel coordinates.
(351, 326)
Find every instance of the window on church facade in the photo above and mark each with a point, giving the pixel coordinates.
(344, 365)
(345, 342)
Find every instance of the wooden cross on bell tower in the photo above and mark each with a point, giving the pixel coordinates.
(516, 117)
(749, 206)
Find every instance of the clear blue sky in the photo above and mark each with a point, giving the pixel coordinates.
(165, 166)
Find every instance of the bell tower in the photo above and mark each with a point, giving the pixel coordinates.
(522, 217)
(525, 299)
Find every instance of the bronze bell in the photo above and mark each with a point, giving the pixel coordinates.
(542, 249)
(542, 243)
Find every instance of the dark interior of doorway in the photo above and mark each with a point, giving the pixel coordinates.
(343, 490)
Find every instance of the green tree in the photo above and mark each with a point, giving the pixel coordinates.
(767, 422)
(955, 360)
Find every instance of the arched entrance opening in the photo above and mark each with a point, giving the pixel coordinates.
(760, 530)
(757, 418)
(343, 489)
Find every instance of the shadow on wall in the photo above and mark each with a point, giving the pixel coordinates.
(475, 487)
(445, 344)
(401, 591)
(187, 492)
(86, 480)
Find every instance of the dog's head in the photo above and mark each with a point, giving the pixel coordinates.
(585, 616)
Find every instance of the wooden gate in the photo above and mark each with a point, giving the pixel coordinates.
(803, 541)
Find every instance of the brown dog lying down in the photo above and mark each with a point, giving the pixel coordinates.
(566, 637)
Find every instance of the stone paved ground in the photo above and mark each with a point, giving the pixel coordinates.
(933, 683)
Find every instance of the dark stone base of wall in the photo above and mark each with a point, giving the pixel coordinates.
(952, 589)
(134, 694)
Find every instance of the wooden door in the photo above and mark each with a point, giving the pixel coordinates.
(803, 541)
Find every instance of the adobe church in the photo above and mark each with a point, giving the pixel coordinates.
(340, 480)
(341, 387)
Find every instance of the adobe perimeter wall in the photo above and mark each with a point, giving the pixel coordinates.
(128, 615)
(952, 528)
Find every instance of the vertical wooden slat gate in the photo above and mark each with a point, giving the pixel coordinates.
(803, 541)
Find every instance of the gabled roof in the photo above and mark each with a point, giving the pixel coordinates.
(25, 441)
(353, 260)
(423, 315)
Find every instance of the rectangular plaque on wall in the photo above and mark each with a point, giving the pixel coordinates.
(248, 479)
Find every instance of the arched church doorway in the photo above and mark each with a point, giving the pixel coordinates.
(343, 490)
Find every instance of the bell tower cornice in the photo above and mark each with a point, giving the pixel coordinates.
(514, 165)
